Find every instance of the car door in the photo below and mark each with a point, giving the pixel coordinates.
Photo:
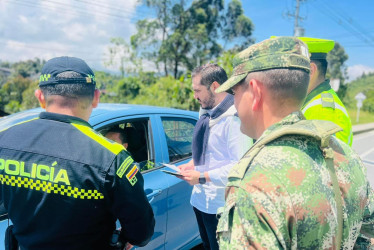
(182, 230)
(155, 184)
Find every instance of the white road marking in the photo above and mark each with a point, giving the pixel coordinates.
(367, 152)
(363, 136)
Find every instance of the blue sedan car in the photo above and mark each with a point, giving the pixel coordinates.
(156, 135)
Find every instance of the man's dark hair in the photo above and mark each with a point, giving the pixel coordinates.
(122, 134)
(69, 90)
(210, 73)
(321, 65)
(284, 84)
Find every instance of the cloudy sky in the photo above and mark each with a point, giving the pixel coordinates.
(83, 28)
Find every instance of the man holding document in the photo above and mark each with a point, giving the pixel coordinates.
(216, 146)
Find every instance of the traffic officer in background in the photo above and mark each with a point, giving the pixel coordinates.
(322, 102)
(297, 187)
(63, 184)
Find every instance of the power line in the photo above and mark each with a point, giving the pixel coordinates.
(145, 14)
(350, 20)
(67, 9)
(347, 23)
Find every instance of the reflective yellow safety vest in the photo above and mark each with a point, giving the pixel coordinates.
(324, 104)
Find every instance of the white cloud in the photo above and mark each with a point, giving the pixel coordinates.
(356, 71)
(14, 45)
(57, 11)
(75, 32)
(23, 19)
(3, 5)
(46, 29)
(24, 51)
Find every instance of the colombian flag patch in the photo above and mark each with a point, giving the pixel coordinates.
(131, 175)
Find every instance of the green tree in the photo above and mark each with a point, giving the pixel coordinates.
(146, 27)
(11, 94)
(105, 80)
(27, 68)
(168, 92)
(121, 55)
(368, 104)
(17, 90)
(183, 36)
(225, 61)
(364, 84)
(336, 67)
(237, 26)
(124, 89)
(28, 98)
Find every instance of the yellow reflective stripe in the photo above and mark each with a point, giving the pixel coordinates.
(341, 108)
(350, 137)
(115, 148)
(319, 102)
(20, 123)
(312, 104)
(48, 187)
(124, 166)
(328, 99)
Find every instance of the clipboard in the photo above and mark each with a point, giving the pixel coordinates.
(172, 173)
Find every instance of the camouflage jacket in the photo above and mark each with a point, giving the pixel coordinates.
(280, 196)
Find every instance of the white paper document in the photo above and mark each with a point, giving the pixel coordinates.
(175, 168)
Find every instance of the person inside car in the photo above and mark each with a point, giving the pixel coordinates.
(118, 135)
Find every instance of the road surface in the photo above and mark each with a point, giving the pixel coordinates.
(363, 144)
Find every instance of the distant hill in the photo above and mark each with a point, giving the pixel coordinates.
(364, 84)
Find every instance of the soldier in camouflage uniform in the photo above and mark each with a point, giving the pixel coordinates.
(298, 187)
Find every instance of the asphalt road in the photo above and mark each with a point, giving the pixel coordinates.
(363, 144)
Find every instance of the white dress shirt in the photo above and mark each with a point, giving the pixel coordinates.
(226, 145)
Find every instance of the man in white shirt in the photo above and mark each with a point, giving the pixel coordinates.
(217, 145)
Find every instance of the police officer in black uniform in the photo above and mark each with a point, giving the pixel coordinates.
(62, 184)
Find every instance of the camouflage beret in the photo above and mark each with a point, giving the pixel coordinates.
(279, 52)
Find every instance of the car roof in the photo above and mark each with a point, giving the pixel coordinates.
(107, 111)
(133, 109)
(104, 111)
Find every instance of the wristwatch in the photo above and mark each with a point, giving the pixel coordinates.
(202, 179)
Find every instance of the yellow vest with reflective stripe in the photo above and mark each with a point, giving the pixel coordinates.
(327, 106)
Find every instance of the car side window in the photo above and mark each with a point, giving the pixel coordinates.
(178, 132)
(134, 136)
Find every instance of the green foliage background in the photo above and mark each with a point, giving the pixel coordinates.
(365, 85)
(191, 35)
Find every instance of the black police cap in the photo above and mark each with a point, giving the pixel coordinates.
(62, 64)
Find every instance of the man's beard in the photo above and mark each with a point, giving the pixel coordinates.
(209, 104)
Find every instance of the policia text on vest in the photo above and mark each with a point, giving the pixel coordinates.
(35, 171)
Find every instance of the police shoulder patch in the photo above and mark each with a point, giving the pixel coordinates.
(131, 175)
(124, 166)
(327, 100)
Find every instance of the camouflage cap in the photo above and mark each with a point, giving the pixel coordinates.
(279, 52)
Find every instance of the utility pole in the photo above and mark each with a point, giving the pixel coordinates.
(297, 30)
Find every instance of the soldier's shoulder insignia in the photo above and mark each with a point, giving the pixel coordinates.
(131, 175)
